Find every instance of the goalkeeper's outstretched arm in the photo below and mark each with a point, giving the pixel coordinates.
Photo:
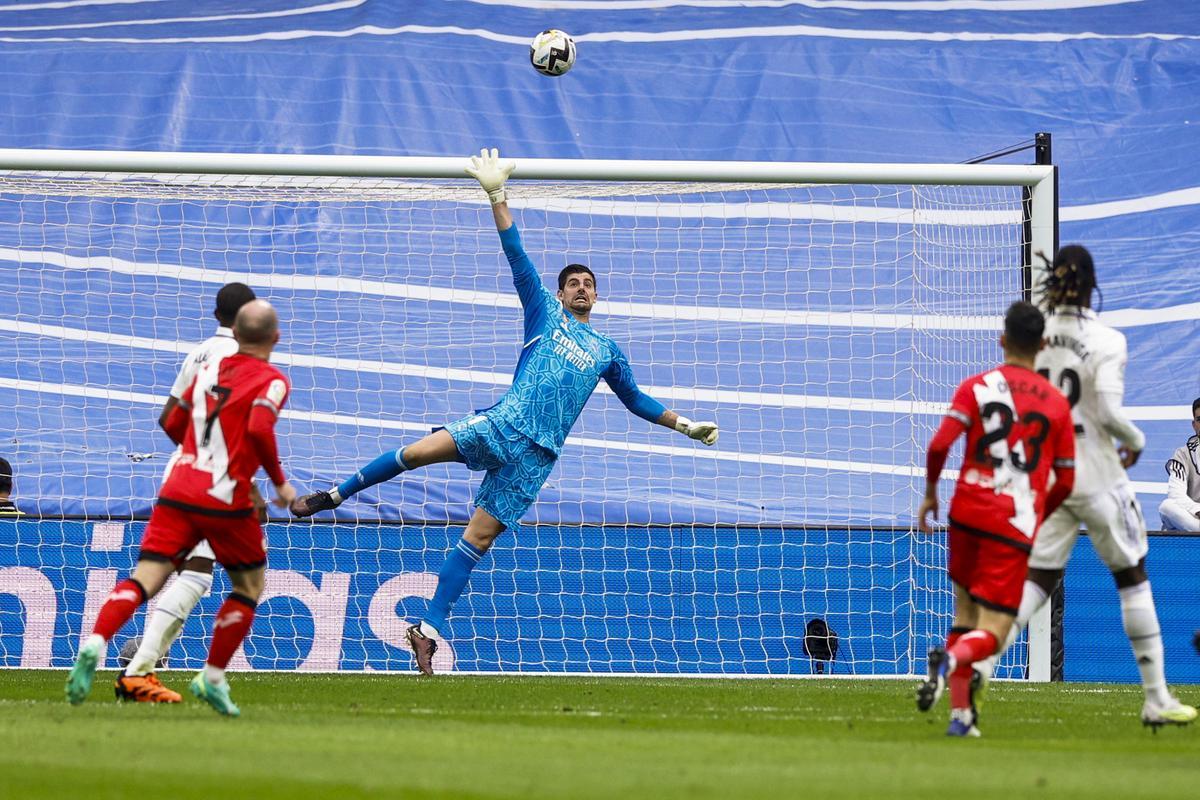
(619, 378)
(491, 172)
(536, 300)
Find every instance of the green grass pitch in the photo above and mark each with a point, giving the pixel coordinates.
(358, 736)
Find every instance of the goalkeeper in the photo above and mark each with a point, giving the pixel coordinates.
(517, 440)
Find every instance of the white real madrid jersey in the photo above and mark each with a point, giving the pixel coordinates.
(1084, 357)
(213, 348)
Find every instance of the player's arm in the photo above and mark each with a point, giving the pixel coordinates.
(619, 377)
(491, 172)
(177, 414)
(183, 381)
(957, 421)
(259, 503)
(1063, 466)
(1110, 393)
(954, 424)
(260, 433)
(1112, 418)
(167, 408)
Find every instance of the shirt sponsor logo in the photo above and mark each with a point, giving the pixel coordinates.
(572, 351)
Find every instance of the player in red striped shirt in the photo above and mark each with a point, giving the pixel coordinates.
(1019, 431)
(225, 424)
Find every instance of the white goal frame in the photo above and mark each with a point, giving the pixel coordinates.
(1040, 180)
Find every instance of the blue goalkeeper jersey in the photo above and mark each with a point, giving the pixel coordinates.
(561, 362)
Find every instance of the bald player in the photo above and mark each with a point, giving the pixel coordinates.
(224, 423)
(139, 683)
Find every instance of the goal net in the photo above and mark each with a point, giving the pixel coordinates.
(823, 322)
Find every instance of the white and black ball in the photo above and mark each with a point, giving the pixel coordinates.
(552, 52)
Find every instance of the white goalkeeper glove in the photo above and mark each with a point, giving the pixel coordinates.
(705, 432)
(491, 172)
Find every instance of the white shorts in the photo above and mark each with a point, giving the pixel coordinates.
(1115, 527)
(202, 550)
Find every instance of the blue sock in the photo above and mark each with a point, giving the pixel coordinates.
(383, 468)
(451, 581)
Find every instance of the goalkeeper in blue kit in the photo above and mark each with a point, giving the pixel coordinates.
(517, 440)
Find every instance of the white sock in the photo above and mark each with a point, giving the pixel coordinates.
(336, 495)
(214, 675)
(428, 631)
(1145, 636)
(95, 639)
(1033, 597)
(167, 620)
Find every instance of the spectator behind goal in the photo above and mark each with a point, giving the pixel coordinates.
(7, 507)
(1181, 510)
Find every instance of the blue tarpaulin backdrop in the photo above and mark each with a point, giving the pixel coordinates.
(1114, 82)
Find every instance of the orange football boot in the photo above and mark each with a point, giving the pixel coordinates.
(144, 689)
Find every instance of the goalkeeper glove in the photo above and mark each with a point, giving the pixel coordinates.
(705, 432)
(491, 173)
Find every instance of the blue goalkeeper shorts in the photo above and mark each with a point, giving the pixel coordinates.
(516, 466)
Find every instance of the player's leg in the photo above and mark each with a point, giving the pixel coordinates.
(240, 546)
(436, 448)
(476, 540)
(966, 614)
(481, 532)
(1047, 562)
(504, 496)
(993, 583)
(1118, 533)
(230, 627)
(1177, 518)
(148, 577)
(168, 536)
(138, 682)
(971, 647)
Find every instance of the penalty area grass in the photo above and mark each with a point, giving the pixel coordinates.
(360, 736)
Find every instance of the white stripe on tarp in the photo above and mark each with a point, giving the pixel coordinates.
(852, 5)
(433, 294)
(689, 394)
(627, 37)
(75, 4)
(862, 320)
(757, 399)
(1136, 205)
(698, 451)
(287, 12)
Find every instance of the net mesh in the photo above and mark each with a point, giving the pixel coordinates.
(824, 327)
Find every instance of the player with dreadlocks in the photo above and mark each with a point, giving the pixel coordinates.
(1086, 359)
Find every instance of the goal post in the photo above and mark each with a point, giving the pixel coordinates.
(821, 313)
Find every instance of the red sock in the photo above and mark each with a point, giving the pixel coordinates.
(954, 635)
(230, 628)
(118, 607)
(970, 647)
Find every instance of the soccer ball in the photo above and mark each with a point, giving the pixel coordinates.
(552, 52)
(129, 650)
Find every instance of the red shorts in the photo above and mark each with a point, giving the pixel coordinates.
(237, 542)
(989, 567)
